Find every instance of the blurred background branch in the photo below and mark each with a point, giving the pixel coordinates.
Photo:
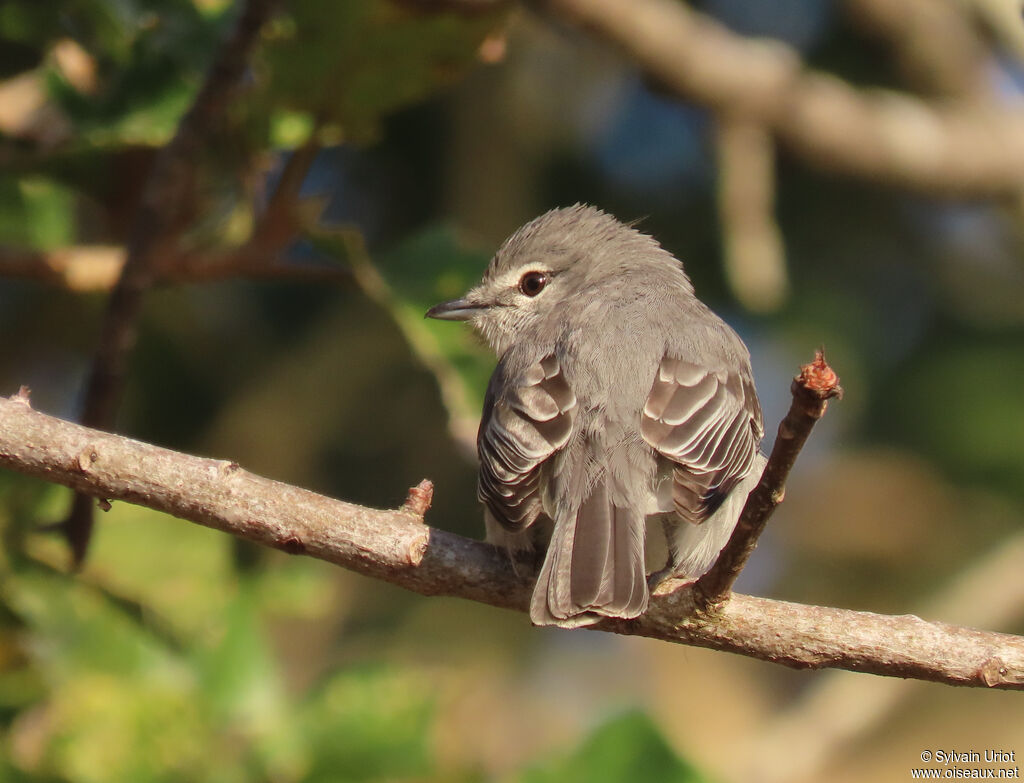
(752, 250)
(96, 268)
(165, 211)
(935, 46)
(887, 136)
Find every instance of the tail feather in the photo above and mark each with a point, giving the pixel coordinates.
(591, 577)
(594, 566)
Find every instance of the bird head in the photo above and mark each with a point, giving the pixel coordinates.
(546, 264)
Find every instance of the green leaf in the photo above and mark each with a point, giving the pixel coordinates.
(370, 723)
(352, 62)
(238, 675)
(36, 212)
(961, 403)
(150, 56)
(628, 747)
(432, 267)
(429, 268)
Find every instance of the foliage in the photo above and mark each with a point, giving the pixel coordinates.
(162, 653)
(628, 747)
(370, 58)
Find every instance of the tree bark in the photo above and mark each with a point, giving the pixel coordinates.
(398, 547)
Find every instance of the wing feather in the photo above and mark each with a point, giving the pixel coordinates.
(709, 424)
(524, 423)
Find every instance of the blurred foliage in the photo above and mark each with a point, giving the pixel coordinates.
(178, 654)
(369, 57)
(625, 748)
(159, 662)
(158, 665)
(431, 267)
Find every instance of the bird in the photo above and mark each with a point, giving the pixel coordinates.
(618, 397)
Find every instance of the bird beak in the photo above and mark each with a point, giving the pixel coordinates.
(455, 310)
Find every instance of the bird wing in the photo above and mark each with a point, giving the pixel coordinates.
(524, 422)
(709, 424)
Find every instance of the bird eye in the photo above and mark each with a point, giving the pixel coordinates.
(532, 283)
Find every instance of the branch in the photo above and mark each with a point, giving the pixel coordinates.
(816, 384)
(283, 216)
(101, 267)
(163, 213)
(96, 268)
(880, 135)
(935, 46)
(397, 547)
(1002, 20)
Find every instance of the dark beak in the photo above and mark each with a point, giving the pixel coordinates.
(455, 310)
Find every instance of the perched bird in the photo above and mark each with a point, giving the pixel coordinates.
(618, 396)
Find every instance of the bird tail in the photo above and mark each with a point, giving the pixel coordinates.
(594, 566)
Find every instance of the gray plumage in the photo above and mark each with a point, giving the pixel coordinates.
(618, 396)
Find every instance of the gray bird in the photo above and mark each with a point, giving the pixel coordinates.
(618, 396)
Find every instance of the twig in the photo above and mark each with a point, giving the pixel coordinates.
(397, 547)
(463, 416)
(100, 267)
(418, 500)
(816, 384)
(165, 205)
(874, 134)
(162, 215)
(280, 221)
(1002, 19)
(80, 268)
(96, 268)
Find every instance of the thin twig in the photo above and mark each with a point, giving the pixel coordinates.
(96, 268)
(816, 384)
(165, 205)
(281, 219)
(397, 547)
(463, 416)
(100, 267)
(163, 213)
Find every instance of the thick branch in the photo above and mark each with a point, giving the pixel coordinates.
(396, 546)
(885, 136)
